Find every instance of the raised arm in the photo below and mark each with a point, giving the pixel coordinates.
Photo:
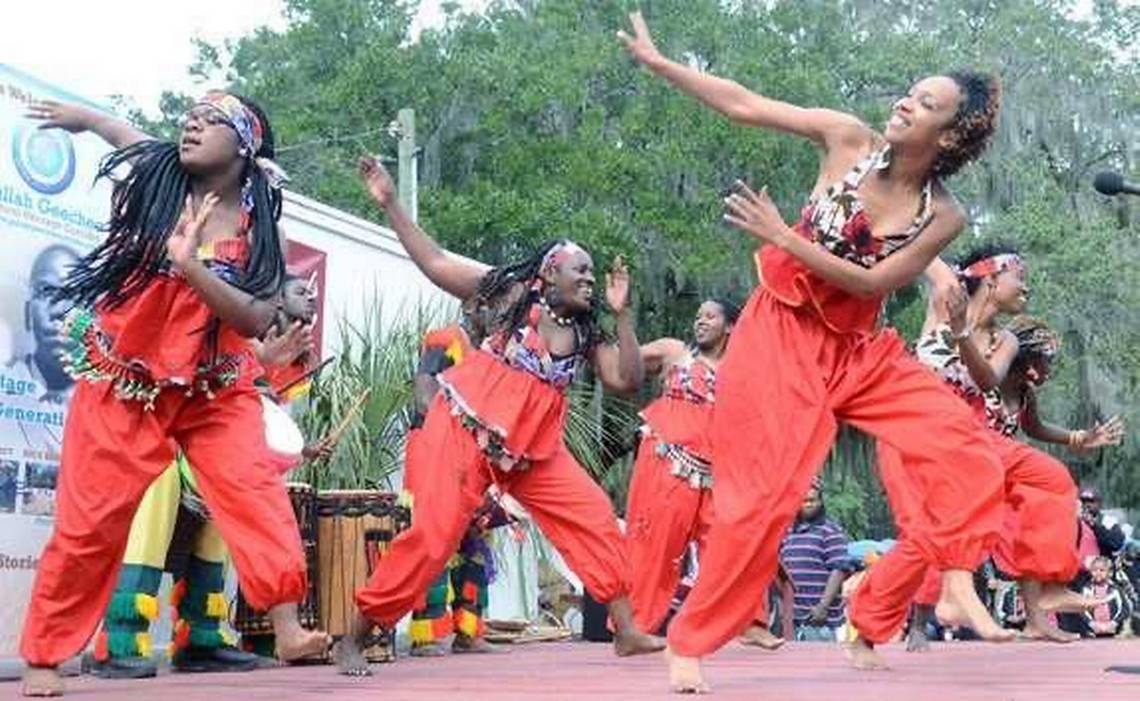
(453, 274)
(756, 214)
(619, 366)
(657, 355)
(77, 118)
(829, 129)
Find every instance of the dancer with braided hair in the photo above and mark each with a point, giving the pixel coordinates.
(162, 311)
(990, 368)
(498, 419)
(808, 351)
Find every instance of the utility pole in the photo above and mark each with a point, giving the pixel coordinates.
(407, 175)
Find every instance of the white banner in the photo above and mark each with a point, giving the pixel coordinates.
(50, 213)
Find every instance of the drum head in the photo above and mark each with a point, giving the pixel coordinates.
(281, 432)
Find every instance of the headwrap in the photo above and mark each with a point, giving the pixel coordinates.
(250, 132)
(992, 266)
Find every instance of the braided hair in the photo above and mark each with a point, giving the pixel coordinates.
(974, 123)
(497, 309)
(1037, 343)
(146, 204)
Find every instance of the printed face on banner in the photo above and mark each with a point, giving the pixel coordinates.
(50, 215)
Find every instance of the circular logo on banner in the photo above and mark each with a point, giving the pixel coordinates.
(44, 158)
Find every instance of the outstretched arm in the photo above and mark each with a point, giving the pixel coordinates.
(77, 118)
(453, 274)
(829, 129)
(756, 214)
(1103, 434)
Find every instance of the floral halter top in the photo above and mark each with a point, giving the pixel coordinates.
(691, 380)
(837, 220)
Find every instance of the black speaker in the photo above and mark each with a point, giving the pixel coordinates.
(594, 619)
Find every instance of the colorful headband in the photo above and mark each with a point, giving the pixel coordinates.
(993, 265)
(558, 255)
(250, 133)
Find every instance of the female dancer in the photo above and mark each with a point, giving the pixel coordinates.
(962, 341)
(498, 419)
(193, 260)
(877, 217)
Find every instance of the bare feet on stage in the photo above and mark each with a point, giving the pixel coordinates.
(41, 682)
(863, 656)
(348, 653)
(759, 636)
(1037, 624)
(960, 607)
(916, 640)
(294, 643)
(685, 674)
(466, 645)
(628, 640)
(428, 650)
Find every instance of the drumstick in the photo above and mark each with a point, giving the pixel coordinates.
(311, 284)
(335, 434)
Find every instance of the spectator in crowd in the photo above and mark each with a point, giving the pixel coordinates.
(1106, 620)
(814, 553)
(1109, 540)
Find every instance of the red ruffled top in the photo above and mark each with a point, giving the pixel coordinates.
(163, 336)
(682, 415)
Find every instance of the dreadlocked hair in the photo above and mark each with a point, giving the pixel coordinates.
(146, 204)
(974, 123)
(1036, 341)
(496, 307)
(979, 252)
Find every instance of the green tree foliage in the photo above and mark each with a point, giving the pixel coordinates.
(534, 123)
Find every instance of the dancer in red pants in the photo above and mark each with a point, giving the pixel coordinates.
(498, 418)
(808, 351)
(190, 269)
(964, 344)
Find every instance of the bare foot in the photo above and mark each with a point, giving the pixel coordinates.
(1057, 598)
(427, 650)
(41, 682)
(916, 640)
(349, 659)
(634, 642)
(685, 674)
(466, 645)
(863, 656)
(759, 636)
(960, 607)
(1047, 631)
(299, 644)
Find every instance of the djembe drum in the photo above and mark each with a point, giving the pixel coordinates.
(253, 624)
(354, 529)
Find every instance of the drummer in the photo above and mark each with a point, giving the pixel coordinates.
(200, 643)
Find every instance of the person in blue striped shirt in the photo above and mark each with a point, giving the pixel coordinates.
(814, 553)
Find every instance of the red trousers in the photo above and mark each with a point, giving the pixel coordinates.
(1037, 539)
(112, 450)
(785, 382)
(569, 507)
(663, 515)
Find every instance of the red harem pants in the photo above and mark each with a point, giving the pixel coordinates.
(663, 515)
(784, 383)
(112, 450)
(569, 507)
(1037, 539)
